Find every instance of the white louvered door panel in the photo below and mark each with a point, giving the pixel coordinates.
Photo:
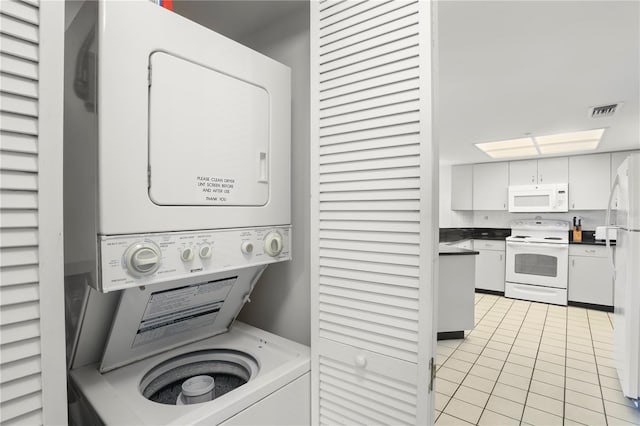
(21, 362)
(372, 236)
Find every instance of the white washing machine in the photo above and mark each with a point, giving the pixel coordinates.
(177, 197)
(174, 357)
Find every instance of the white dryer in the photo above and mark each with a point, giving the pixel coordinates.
(170, 127)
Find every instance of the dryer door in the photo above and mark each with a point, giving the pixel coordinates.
(208, 136)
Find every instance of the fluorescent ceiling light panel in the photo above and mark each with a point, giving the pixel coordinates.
(557, 148)
(587, 140)
(514, 152)
(509, 148)
(588, 135)
(506, 144)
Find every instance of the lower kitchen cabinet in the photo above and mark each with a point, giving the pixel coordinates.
(490, 265)
(590, 279)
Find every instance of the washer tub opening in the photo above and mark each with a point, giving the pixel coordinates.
(229, 369)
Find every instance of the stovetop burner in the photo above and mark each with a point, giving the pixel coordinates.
(540, 231)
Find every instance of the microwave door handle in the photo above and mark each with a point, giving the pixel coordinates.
(608, 226)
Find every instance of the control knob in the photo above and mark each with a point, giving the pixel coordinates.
(187, 254)
(143, 258)
(247, 247)
(205, 252)
(273, 243)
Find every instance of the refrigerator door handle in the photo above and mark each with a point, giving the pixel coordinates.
(608, 226)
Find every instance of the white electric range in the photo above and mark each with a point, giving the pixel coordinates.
(537, 261)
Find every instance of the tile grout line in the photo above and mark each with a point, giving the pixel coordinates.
(448, 357)
(595, 361)
(566, 349)
(474, 363)
(505, 361)
(533, 369)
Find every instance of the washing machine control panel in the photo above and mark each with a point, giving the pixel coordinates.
(144, 259)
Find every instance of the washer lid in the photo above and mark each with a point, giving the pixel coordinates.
(156, 319)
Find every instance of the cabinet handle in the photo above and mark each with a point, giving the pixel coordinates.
(590, 251)
(500, 257)
(540, 178)
(573, 263)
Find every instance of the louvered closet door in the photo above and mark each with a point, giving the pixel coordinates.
(20, 363)
(373, 220)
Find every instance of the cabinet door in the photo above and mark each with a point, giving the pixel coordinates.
(462, 187)
(523, 172)
(490, 182)
(589, 177)
(553, 170)
(490, 266)
(590, 280)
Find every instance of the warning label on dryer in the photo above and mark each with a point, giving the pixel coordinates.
(170, 312)
(215, 188)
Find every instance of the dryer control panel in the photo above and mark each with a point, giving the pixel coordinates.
(143, 259)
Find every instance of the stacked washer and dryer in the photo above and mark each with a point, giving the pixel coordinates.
(177, 197)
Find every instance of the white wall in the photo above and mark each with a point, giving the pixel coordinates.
(280, 301)
(500, 219)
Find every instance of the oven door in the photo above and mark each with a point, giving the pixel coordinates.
(537, 264)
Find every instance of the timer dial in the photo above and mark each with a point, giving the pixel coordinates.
(143, 258)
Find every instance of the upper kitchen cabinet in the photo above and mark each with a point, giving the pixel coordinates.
(589, 180)
(462, 187)
(532, 172)
(553, 170)
(490, 182)
(523, 172)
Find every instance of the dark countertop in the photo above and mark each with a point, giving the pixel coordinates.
(447, 250)
(449, 235)
(458, 234)
(588, 238)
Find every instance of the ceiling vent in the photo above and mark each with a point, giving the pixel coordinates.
(603, 110)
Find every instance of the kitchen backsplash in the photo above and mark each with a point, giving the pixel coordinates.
(503, 219)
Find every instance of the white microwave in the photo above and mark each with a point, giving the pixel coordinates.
(539, 198)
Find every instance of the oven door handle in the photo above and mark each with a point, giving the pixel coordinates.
(534, 245)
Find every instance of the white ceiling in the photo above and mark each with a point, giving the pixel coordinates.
(508, 68)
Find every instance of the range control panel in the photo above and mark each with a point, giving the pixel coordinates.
(142, 259)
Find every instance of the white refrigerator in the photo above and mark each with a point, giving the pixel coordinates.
(626, 267)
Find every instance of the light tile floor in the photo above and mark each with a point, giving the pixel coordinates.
(532, 364)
